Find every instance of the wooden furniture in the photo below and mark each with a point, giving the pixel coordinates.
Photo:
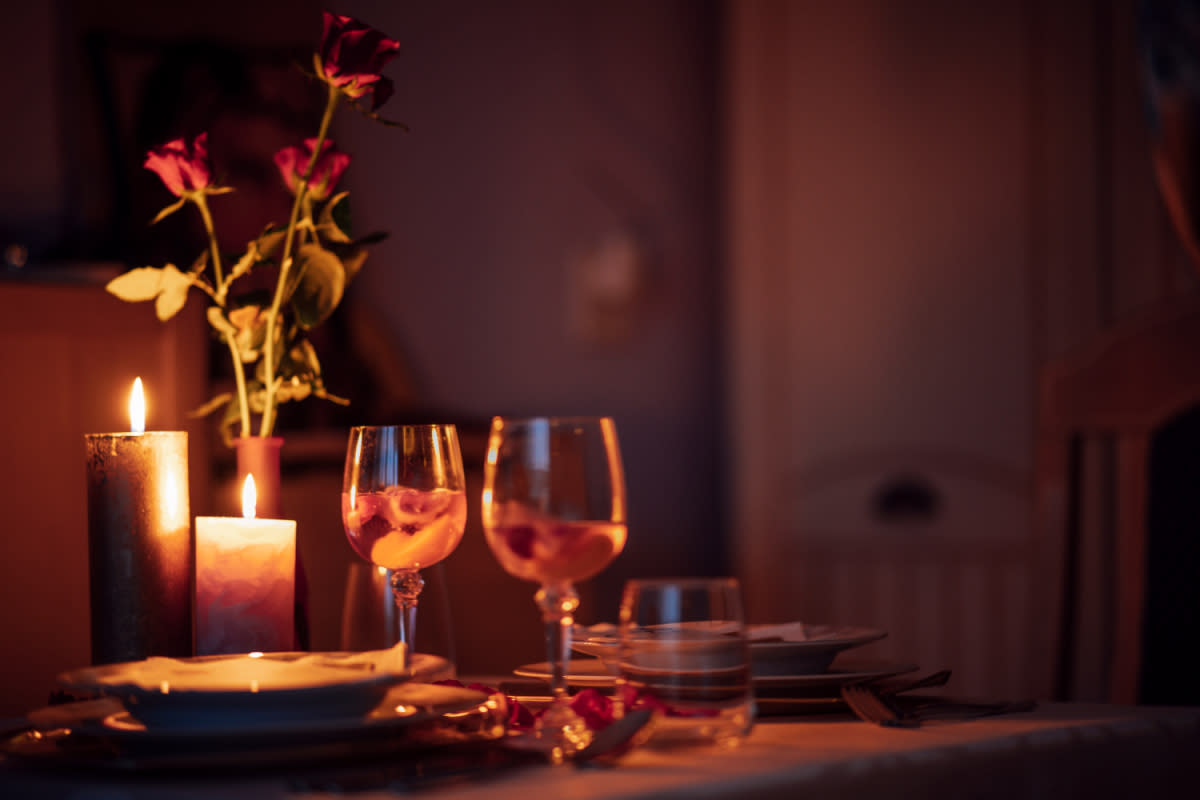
(1099, 409)
(69, 353)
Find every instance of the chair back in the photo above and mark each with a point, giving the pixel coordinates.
(1099, 409)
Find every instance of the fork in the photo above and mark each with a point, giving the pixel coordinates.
(865, 701)
(870, 705)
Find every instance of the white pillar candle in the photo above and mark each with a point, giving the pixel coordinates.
(245, 582)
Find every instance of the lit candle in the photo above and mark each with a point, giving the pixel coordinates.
(245, 581)
(139, 543)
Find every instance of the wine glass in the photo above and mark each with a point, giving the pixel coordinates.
(404, 504)
(553, 513)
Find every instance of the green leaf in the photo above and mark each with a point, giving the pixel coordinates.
(168, 211)
(371, 115)
(173, 289)
(293, 391)
(353, 262)
(370, 239)
(138, 284)
(333, 398)
(319, 290)
(216, 318)
(212, 405)
(250, 324)
(200, 263)
(243, 264)
(354, 254)
(256, 396)
(334, 219)
(306, 355)
(269, 241)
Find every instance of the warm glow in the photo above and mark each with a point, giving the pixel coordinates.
(249, 498)
(137, 408)
(171, 508)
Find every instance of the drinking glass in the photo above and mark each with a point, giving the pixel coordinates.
(685, 653)
(553, 513)
(404, 504)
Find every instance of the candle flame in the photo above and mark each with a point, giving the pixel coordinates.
(249, 498)
(137, 408)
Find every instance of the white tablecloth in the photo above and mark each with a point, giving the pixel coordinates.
(1055, 751)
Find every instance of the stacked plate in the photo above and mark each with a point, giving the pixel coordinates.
(251, 709)
(793, 661)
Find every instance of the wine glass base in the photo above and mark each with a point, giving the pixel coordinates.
(562, 731)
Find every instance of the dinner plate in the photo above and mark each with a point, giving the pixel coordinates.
(244, 691)
(412, 716)
(592, 672)
(402, 706)
(785, 649)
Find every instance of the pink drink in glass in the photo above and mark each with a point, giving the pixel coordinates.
(402, 528)
(549, 551)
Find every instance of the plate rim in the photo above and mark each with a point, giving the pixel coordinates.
(855, 635)
(864, 635)
(834, 676)
(133, 730)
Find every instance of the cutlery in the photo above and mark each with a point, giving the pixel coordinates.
(867, 704)
(883, 706)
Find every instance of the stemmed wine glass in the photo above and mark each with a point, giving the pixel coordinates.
(553, 513)
(404, 504)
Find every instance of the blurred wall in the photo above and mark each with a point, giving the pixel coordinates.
(551, 211)
(553, 231)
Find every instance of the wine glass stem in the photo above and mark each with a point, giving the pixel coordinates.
(558, 604)
(406, 586)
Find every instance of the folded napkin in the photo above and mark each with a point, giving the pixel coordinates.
(255, 672)
(393, 659)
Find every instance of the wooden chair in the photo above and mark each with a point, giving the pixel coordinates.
(1119, 390)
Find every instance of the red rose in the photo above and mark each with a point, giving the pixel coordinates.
(293, 163)
(182, 169)
(352, 55)
(596, 709)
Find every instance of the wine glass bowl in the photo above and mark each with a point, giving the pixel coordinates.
(540, 549)
(404, 504)
(553, 513)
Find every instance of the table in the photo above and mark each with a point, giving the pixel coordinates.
(1055, 751)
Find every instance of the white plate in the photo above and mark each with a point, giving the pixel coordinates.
(401, 706)
(591, 672)
(786, 649)
(245, 690)
(412, 716)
